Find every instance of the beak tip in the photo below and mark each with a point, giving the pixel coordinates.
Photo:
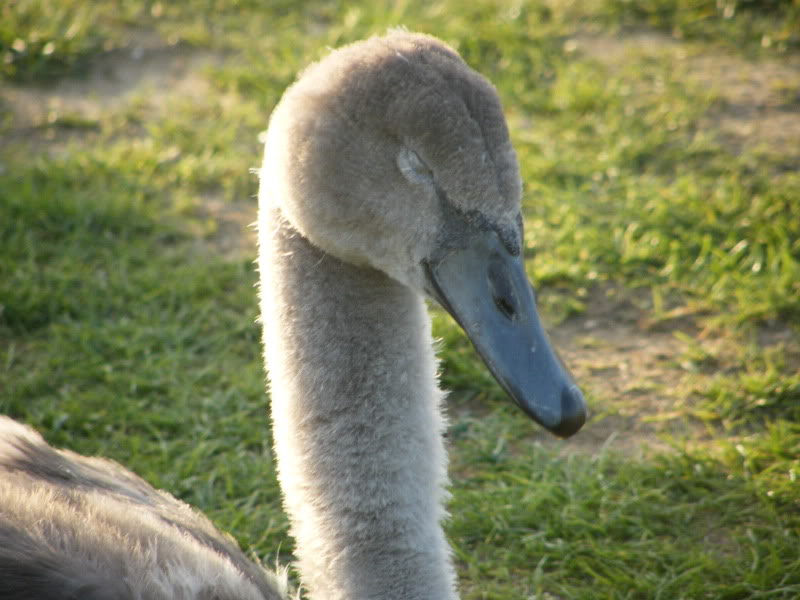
(573, 412)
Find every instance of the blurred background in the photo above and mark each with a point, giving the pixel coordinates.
(659, 145)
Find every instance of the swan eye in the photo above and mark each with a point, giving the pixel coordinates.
(413, 168)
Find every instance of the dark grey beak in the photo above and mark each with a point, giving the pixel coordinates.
(485, 288)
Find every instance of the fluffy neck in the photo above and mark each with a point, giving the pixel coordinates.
(357, 424)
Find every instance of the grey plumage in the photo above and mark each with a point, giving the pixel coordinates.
(377, 158)
(73, 527)
(382, 163)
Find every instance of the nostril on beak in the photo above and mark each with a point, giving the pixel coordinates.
(502, 289)
(573, 412)
(505, 306)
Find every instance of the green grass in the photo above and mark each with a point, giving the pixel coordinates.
(742, 24)
(126, 331)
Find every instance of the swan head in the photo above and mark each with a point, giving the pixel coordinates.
(393, 154)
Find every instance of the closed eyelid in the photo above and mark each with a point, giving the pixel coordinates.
(417, 159)
(413, 167)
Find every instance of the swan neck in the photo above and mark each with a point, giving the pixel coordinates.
(357, 423)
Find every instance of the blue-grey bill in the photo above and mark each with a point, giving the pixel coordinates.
(485, 288)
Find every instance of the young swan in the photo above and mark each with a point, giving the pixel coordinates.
(388, 176)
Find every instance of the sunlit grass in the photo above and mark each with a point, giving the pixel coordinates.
(125, 332)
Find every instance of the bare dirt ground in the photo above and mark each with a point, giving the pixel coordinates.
(632, 370)
(148, 71)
